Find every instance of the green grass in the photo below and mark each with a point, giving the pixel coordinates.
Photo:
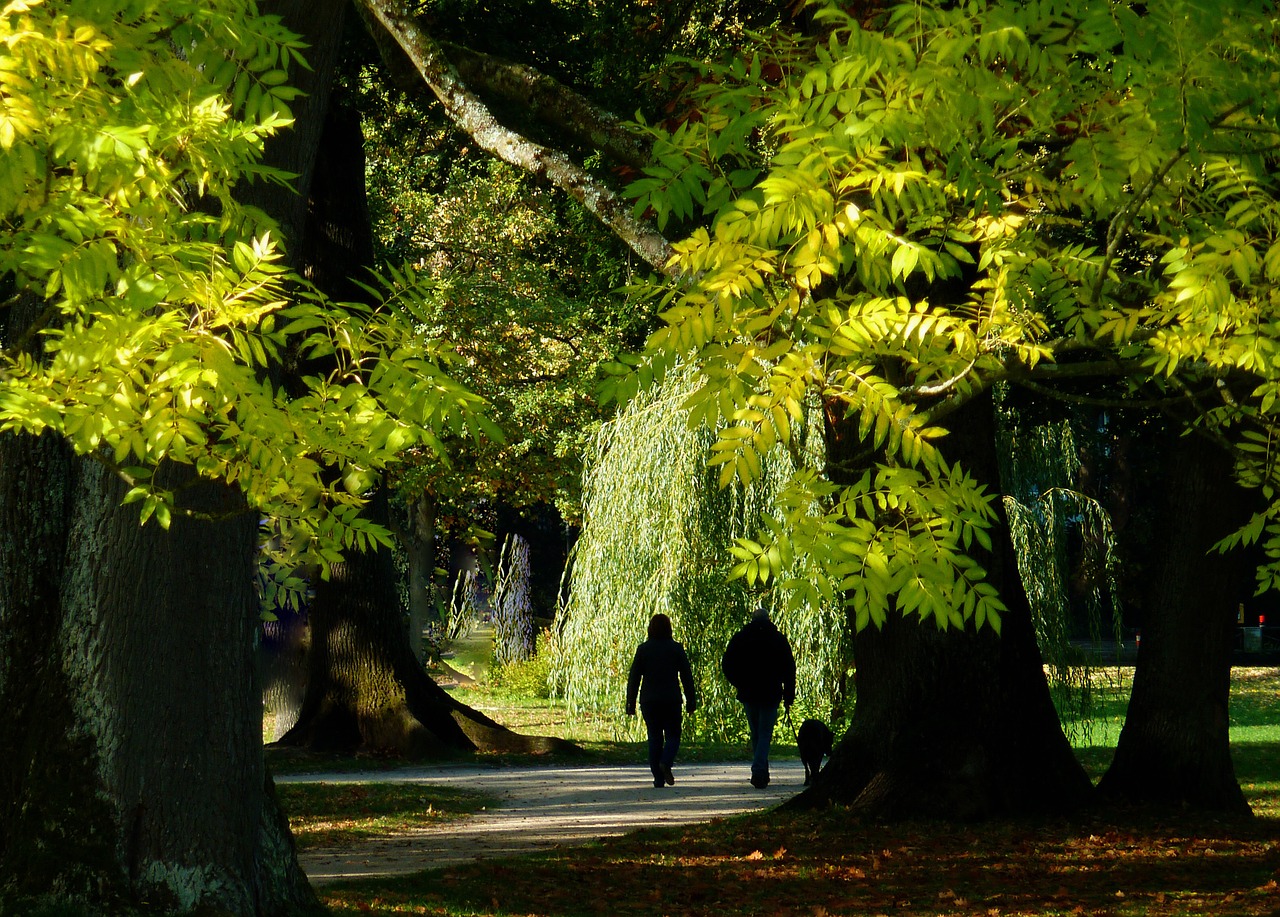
(344, 814)
(1255, 730)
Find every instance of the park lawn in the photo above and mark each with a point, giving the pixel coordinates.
(823, 863)
(344, 814)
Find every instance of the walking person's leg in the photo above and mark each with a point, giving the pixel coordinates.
(757, 720)
(671, 745)
(766, 717)
(753, 724)
(653, 724)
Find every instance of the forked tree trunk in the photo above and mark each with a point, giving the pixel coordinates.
(955, 724)
(1174, 748)
(133, 770)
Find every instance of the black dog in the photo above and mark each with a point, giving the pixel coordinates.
(814, 742)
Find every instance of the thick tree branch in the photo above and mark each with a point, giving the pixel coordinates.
(551, 102)
(470, 113)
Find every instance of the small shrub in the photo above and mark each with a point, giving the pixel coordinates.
(527, 677)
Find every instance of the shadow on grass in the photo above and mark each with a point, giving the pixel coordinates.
(344, 814)
(1122, 864)
(1118, 863)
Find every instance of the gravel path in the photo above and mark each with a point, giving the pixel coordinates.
(543, 807)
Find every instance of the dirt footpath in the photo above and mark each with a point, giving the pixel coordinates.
(543, 807)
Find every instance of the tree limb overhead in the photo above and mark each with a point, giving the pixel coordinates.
(470, 113)
(551, 102)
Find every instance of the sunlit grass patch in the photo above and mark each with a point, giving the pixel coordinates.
(342, 814)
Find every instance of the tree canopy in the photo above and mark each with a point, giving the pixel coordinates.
(1078, 198)
(160, 312)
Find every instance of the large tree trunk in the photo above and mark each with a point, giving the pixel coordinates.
(366, 689)
(132, 773)
(367, 692)
(321, 24)
(955, 724)
(133, 770)
(1174, 748)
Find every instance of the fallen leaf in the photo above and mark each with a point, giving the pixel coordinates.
(754, 855)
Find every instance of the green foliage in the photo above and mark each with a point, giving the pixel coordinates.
(655, 530)
(529, 677)
(964, 195)
(1066, 559)
(518, 279)
(1044, 509)
(162, 307)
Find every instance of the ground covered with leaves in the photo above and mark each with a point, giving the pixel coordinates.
(1117, 864)
(825, 863)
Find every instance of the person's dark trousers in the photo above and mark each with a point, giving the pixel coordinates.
(662, 720)
(760, 721)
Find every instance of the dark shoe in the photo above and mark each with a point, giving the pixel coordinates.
(668, 776)
(759, 782)
(658, 782)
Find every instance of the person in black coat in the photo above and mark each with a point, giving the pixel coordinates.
(758, 662)
(659, 668)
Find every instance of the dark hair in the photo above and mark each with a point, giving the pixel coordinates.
(659, 627)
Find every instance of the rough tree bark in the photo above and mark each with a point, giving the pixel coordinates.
(133, 770)
(321, 23)
(366, 691)
(954, 724)
(1174, 748)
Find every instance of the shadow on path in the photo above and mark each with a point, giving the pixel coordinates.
(544, 807)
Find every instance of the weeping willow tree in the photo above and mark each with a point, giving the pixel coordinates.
(655, 538)
(1066, 558)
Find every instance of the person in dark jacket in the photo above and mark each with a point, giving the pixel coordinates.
(659, 668)
(759, 664)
